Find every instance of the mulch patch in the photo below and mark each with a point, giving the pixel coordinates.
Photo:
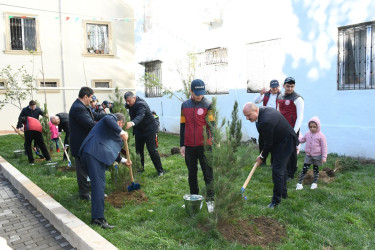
(66, 169)
(119, 198)
(260, 231)
(39, 160)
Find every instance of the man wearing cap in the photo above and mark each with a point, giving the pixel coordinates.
(107, 104)
(144, 129)
(291, 106)
(193, 125)
(269, 100)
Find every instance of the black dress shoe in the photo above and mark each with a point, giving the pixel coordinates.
(272, 205)
(85, 197)
(102, 223)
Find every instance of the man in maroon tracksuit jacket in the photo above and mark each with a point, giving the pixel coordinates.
(192, 126)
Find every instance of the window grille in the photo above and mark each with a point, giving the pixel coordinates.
(356, 57)
(153, 73)
(263, 63)
(48, 84)
(23, 33)
(212, 68)
(102, 85)
(2, 85)
(97, 38)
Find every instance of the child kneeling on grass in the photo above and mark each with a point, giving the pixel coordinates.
(315, 149)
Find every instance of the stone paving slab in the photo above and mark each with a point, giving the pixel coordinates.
(75, 231)
(22, 226)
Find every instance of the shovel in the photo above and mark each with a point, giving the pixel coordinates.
(18, 132)
(248, 179)
(66, 153)
(133, 186)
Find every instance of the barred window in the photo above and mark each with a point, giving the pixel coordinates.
(22, 33)
(263, 63)
(98, 37)
(153, 73)
(102, 85)
(49, 85)
(212, 68)
(2, 84)
(356, 56)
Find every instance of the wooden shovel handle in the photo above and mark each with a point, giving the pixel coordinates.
(250, 175)
(18, 132)
(128, 159)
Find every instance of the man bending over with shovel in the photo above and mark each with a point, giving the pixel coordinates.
(99, 150)
(279, 138)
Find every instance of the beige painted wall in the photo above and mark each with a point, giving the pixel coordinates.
(64, 53)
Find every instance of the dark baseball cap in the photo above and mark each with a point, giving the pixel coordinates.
(290, 80)
(274, 84)
(198, 88)
(94, 98)
(105, 103)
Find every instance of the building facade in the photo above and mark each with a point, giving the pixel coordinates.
(65, 45)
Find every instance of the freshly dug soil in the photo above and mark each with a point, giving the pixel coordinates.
(259, 231)
(326, 175)
(119, 198)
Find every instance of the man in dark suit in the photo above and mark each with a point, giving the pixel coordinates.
(81, 121)
(62, 121)
(144, 128)
(99, 150)
(280, 139)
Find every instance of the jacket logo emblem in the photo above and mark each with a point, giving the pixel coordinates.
(200, 111)
(287, 102)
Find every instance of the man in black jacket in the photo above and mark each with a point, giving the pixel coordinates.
(279, 138)
(30, 111)
(62, 121)
(81, 121)
(144, 129)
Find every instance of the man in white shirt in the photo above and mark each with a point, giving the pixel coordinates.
(291, 106)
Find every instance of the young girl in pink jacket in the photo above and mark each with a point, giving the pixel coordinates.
(54, 135)
(315, 149)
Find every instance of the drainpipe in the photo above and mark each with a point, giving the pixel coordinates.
(62, 58)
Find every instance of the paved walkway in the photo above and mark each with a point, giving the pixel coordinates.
(22, 226)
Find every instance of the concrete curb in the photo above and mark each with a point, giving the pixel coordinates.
(75, 231)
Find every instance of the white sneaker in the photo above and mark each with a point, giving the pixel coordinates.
(299, 186)
(210, 206)
(314, 186)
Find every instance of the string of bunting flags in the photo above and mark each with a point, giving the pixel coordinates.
(68, 18)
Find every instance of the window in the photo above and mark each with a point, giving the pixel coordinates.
(21, 33)
(212, 68)
(101, 83)
(50, 85)
(2, 85)
(153, 74)
(98, 38)
(263, 63)
(356, 65)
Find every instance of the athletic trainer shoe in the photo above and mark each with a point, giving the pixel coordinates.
(299, 186)
(314, 186)
(210, 206)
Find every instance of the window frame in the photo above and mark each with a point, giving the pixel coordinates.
(3, 89)
(362, 52)
(110, 39)
(48, 89)
(153, 92)
(110, 88)
(8, 46)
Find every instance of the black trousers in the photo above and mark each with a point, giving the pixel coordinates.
(150, 142)
(281, 153)
(38, 140)
(192, 155)
(82, 173)
(292, 163)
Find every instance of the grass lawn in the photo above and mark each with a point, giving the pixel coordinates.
(339, 215)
